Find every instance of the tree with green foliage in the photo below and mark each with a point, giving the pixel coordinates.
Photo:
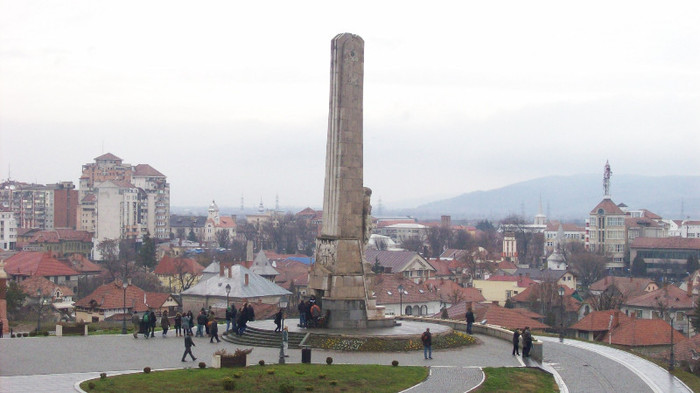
(147, 253)
(695, 320)
(191, 236)
(692, 263)
(639, 267)
(485, 225)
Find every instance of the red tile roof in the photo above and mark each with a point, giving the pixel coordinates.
(396, 260)
(386, 290)
(684, 349)
(635, 332)
(83, 265)
(291, 271)
(108, 157)
(608, 206)
(453, 253)
(34, 263)
(553, 226)
(509, 318)
(676, 243)
(57, 235)
(442, 267)
(533, 292)
(146, 170)
(598, 321)
(670, 296)
(628, 286)
(523, 282)
(448, 287)
(173, 266)
(48, 288)
(111, 296)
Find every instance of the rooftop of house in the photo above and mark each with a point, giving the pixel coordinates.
(670, 296)
(146, 170)
(48, 288)
(522, 281)
(243, 283)
(609, 207)
(176, 265)
(675, 242)
(532, 293)
(509, 318)
(35, 263)
(111, 296)
(628, 286)
(598, 321)
(56, 235)
(636, 332)
(396, 260)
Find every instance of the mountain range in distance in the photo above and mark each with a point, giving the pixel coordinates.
(570, 198)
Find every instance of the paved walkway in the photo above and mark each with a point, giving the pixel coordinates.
(55, 364)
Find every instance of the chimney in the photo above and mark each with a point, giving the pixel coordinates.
(616, 319)
(606, 280)
(690, 287)
(246, 280)
(527, 274)
(630, 278)
(221, 270)
(249, 251)
(230, 275)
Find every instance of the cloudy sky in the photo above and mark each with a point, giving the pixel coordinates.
(231, 98)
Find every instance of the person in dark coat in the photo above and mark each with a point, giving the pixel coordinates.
(178, 325)
(230, 317)
(527, 342)
(302, 313)
(427, 339)
(470, 320)
(201, 322)
(152, 320)
(242, 319)
(165, 323)
(278, 321)
(516, 342)
(214, 330)
(188, 347)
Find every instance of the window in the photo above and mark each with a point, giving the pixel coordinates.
(639, 313)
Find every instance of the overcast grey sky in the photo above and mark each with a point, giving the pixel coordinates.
(231, 98)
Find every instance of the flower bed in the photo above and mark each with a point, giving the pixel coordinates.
(383, 344)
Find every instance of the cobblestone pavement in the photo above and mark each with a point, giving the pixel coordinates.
(56, 363)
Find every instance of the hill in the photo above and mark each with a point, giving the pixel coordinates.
(572, 198)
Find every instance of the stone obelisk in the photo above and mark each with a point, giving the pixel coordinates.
(340, 275)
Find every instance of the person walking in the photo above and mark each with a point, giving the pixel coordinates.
(188, 347)
(470, 320)
(145, 326)
(190, 322)
(516, 342)
(278, 321)
(178, 325)
(165, 323)
(427, 339)
(214, 331)
(527, 342)
(136, 320)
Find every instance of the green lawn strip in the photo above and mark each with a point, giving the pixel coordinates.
(521, 380)
(262, 379)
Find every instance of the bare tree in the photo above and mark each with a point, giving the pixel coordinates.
(413, 243)
(181, 233)
(223, 238)
(109, 249)
(184, 274)
(589, 267)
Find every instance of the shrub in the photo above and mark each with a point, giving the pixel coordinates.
(103, 375)
(25, 334)
(333, 382)
(238, 374)
(329, 360)
(32, 333)
(286, 387)
(12, 335)
(146, 370)
(91, 385)
(261, 362)
(46, 333)
(394, 363)
(228, 383)
(202, 365)
(300, 372)
(309, 388)
(271, 371)
(321, 376)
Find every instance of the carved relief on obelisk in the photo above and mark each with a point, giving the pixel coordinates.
(339, 273)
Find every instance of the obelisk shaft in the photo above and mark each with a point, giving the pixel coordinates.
(343, 193)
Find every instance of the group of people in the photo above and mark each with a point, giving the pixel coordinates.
(309, 313)
(527, 342)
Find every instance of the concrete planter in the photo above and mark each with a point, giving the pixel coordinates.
(229, 361)
(80, 330)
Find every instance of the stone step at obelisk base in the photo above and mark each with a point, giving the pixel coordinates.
(341, 278)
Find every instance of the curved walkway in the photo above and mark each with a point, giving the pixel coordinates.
(55, 364)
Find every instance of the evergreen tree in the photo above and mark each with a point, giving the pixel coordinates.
(191, 236)
(695, 320)
(639, 267)
(147, 253)
(692, 263)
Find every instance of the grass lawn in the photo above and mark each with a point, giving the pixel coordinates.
(521, 380)
(261, 379)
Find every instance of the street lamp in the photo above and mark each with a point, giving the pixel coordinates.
(561, 313)
(124, 285)
(228, 291)
(400, 288)
(41, 300)
(671, 358)
(283, 305)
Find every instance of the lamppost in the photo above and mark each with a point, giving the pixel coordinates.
(124, 285)
(400, 288)
(671, 358)
(283, 306)
(561, 313)
(42, 302)
(228, 291)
